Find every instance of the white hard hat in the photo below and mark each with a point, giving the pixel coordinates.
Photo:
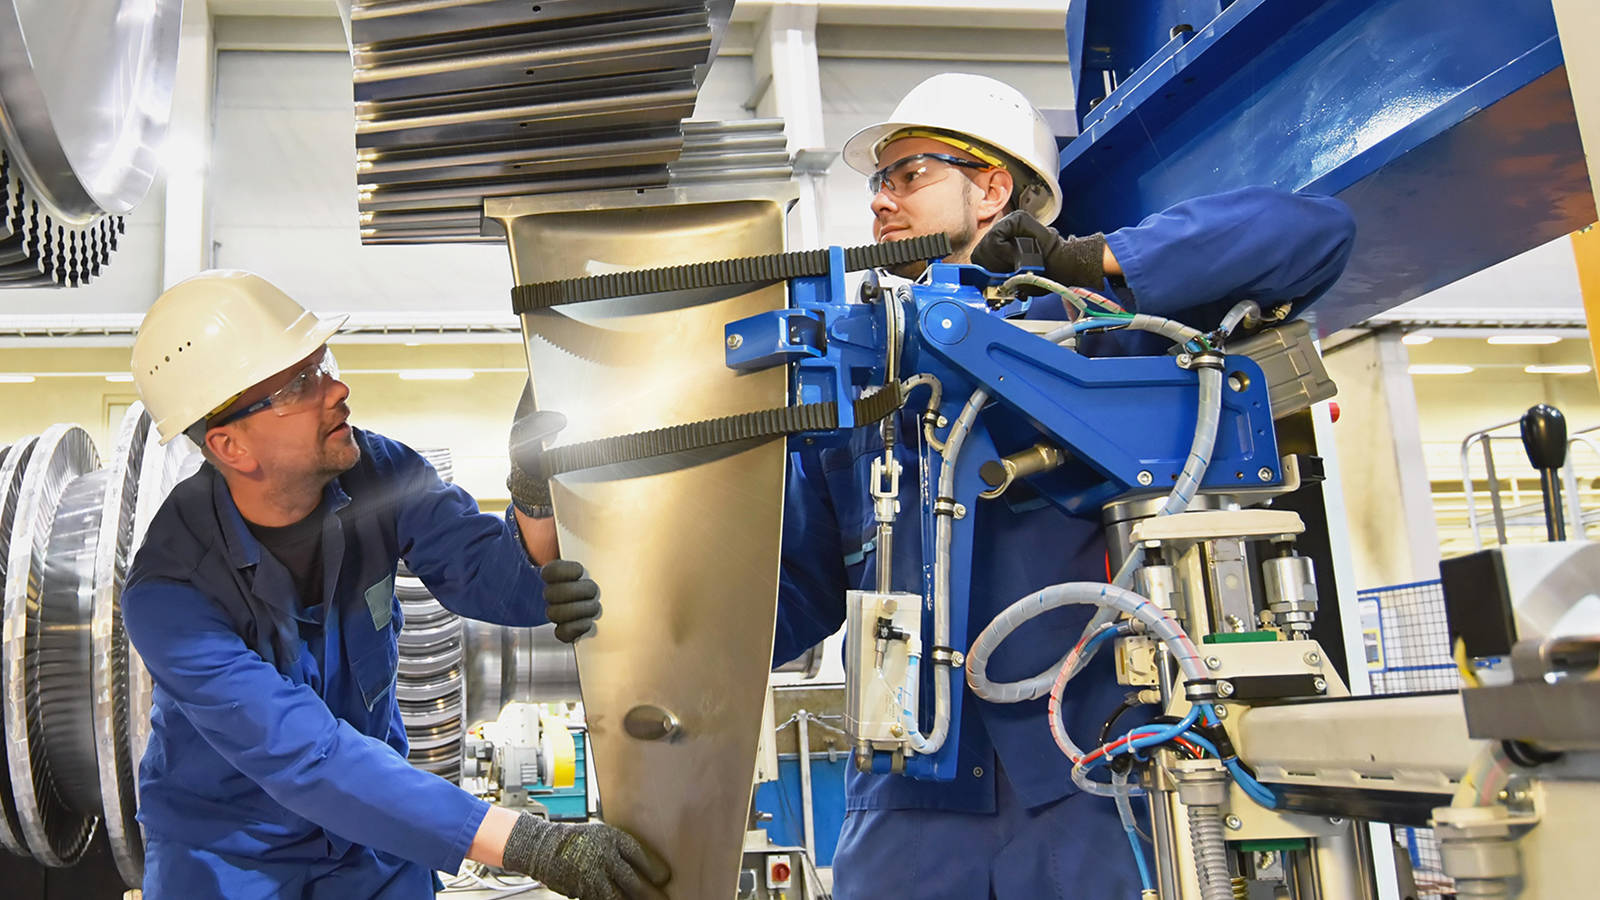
(992, 114)
(209, 338)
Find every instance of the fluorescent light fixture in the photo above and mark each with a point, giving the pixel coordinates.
(435, 374)
(1417, 340)
(1578, 369)
(413, 343)
(1524, 339)
(1437, 369)
(13, 378)
(119, 379)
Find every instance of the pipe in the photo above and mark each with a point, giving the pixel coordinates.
(802, 721)
(1210, 852)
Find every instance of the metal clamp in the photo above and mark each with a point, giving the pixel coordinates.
(947, 656)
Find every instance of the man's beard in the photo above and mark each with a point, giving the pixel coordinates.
(337, 457)
(963, 238)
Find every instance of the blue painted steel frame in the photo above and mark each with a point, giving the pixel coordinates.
(1116, 417)
(1447, 127)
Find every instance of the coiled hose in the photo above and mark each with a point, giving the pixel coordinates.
(1210, 853)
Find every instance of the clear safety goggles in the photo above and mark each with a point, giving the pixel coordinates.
(917, 171)
(304, 388)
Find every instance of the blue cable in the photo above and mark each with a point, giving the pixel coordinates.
(1138, 857)
(1253, 789)
(1152, 735)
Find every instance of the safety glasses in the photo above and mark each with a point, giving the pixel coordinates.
(917, 171)
(303, 389)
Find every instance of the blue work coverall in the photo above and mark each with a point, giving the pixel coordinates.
(1028, 833)
(276, 765)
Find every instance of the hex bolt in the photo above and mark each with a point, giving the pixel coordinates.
(1184, 360)
(1222, 711)
(1224, 689)
(1321, 684)
(1234, 823)
(1313, 658)
(961, 510)
(1146, 478)
(1264, 473)
(1213, 663)
(735, 341)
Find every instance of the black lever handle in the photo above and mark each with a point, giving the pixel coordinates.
(1544, 437)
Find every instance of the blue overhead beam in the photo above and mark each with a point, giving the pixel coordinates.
(1447, 127)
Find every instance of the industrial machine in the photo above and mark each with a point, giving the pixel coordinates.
(1260, 772)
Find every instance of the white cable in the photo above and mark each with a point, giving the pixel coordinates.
(1200, 450)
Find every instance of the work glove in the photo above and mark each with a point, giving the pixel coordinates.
(571, 599)
(1072, 261)
(588, 862)
(530, 429)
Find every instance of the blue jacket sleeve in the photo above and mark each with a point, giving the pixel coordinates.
(1195, 260)
(284, 738)
(469, 560)
(811, 582)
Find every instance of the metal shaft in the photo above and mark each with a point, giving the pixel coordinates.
(1550, 486)
(802, 722)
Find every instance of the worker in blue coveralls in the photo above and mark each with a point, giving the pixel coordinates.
(262, 601)
(971, 157)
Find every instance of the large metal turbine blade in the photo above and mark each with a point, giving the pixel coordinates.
(685, 548)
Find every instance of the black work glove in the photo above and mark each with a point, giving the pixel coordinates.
(589, 862)
(571, 599)
(530, 429)
(1072, 261)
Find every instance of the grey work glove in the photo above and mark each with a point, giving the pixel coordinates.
(588, 862)
(1072, 261)
(530, 489)
(571, 599)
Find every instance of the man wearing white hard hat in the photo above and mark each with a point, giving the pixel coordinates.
(262, 601)
(969, 156)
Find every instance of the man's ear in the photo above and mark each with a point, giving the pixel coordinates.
(992, 205)
(227, 448)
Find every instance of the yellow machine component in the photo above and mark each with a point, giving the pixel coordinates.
(560, 752)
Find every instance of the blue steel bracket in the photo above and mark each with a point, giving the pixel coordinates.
(1130, 419)
(838, 348)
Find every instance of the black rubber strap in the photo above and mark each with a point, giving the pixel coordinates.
(762, 425)
(526, 298)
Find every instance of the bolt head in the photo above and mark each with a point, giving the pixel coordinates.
(1234, 823)
(1184, 360)
(1264, 473)
(1146, 478)
(1213, 663)
(897, 731)
(1225, 689)
(961, 510)
(1222, 711)
(1321, 684)
(735, 341)
(1313, 658)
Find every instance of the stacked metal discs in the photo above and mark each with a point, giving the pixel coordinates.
(73, 694)
(431, 685)
(461, 100)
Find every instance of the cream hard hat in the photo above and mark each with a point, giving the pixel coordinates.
(209, 338)
(965, 110)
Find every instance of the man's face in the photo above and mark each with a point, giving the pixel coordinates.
(305, 437)
(946, 202)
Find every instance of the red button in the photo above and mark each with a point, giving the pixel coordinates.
(780, 871)
(1333, 410)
